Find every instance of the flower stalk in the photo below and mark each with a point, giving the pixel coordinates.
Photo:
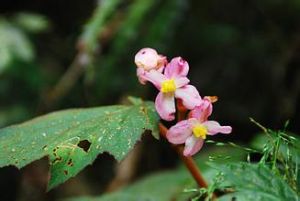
(188, 161)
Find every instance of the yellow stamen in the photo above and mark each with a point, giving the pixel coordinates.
(200, 131)
(168, 86)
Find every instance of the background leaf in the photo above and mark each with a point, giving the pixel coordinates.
(290, 149)
(96, 25)
(31, 22)
(255, 182)
(170, 185)
(73, 138)
(14, 45)
(163, 186)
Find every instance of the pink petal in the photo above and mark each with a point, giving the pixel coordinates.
(147, 58)
(214, 127)
(177, 68)
(189, 95)
(155, 77)
(203, 111)
(165, 106)
(192, 145)
(193, 122)
(140, 72)
(160, 69)
(178, 133)
(181, 81)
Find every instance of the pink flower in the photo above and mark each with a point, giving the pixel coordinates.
(173, 84)
(205, 109)
(146, 60)
(193, 131)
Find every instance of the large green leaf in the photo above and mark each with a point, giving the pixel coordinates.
(157, 187)
(114, 129)
(255, 182)
(166, 186)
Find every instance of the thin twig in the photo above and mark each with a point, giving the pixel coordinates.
(68, 80)
(84, 58)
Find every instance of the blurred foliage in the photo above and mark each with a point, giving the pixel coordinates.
(32, 22)
(219, 46)
(131, 35)
(14, 44)
(96, 25)
(18, 72)
(150, 189)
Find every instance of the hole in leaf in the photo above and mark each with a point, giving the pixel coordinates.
(57, 160)
(70, 162)
(85, 145)
(66, 172)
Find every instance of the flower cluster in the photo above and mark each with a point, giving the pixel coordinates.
(170, 78)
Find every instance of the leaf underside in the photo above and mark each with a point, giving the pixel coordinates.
(112, 129)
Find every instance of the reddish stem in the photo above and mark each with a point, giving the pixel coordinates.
(188, 161)
(181, 110)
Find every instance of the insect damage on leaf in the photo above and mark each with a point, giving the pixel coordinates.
(72, 139)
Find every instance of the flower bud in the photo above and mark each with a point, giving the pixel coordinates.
(148, 59)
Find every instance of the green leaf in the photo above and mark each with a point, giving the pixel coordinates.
(31, 22)
(169, 185)
(134, 101)
(157, 187)
(288, 148)
(97, 23)
(14, 44)
(59, 135)
(124, 38)
(255, 182)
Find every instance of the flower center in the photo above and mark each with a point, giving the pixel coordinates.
(168, 86)
(200, 131)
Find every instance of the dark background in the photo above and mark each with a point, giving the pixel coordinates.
(247, 52)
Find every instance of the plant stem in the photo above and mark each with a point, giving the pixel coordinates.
(181, 114)
(188, 161)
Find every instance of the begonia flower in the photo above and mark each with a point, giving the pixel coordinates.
(146, 60)
(172, 84)
(205, 108)
(194, 130)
